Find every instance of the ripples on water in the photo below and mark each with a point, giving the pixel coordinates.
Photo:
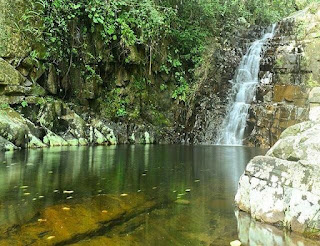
(128, 195)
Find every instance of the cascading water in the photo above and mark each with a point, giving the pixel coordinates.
(244, 88)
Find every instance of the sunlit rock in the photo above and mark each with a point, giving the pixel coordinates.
(282, 192)
(235, 243)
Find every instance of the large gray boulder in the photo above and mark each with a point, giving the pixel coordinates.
(283, 187)
(299, 142)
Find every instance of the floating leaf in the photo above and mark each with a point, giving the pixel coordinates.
(68, 192)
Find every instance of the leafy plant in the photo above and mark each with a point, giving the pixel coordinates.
(24, 104)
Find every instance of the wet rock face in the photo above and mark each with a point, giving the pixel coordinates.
(283, 187)
(289, 71)
(209, 103)
(282, 96)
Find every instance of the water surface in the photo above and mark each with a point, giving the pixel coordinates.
(171, 195)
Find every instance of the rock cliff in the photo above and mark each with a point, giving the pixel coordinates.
(288, 72)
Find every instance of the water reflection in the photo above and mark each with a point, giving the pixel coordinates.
(33, 180)
(254, 233)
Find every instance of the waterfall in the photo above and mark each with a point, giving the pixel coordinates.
(244, 88)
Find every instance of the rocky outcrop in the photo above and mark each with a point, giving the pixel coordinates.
(282, 188)
(56, 124)
(208, 104)
(289, 70)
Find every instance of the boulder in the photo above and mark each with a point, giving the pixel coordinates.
(52, 140)
(103, 133)
(18, 130)
(283, 187)
(282, 192)
(9, 75)
(5, 145)
(299, 142)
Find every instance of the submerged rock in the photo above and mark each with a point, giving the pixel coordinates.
(252, 232)
(182, 202)
(72, 222)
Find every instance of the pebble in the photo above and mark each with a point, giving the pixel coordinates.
(235, 243)
(123, 195)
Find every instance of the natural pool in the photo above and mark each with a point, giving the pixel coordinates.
(128, 195)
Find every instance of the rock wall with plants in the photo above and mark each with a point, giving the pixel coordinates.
(105, 72)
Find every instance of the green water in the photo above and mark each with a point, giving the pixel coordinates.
(192, 187)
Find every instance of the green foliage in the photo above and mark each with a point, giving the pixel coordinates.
(4, 106)
(147, 38)
(24, 104)
(115, 104)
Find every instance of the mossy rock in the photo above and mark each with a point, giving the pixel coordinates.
(9, 75)
(13, 43)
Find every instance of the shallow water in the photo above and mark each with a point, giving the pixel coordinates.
(146, 194)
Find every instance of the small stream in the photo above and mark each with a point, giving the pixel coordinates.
(184, 194)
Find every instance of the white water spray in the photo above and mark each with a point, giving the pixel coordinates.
(244, 87)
